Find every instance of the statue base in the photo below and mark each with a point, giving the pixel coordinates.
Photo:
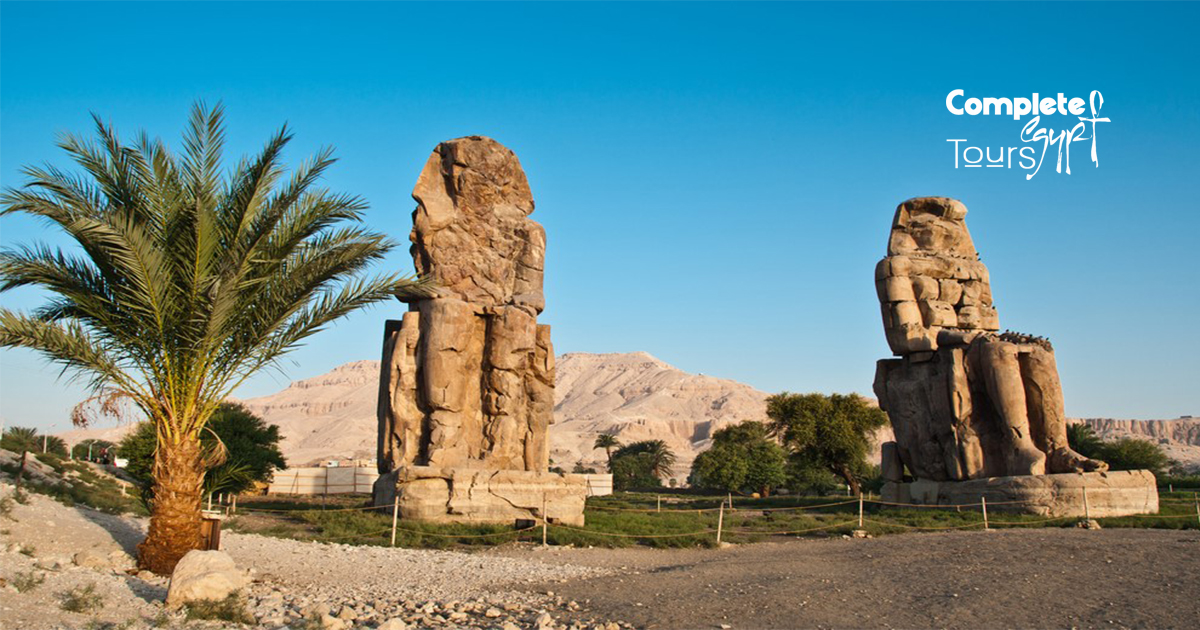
(474, 495)
(1111, 493)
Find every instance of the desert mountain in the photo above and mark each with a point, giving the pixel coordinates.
(634, 396)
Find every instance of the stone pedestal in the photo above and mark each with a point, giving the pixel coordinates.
(467, 495)
(1110, 493)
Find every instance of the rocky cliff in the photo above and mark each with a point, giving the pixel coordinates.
(1180, 438)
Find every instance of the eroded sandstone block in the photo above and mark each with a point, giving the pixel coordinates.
(466, 495)
(1109, 493)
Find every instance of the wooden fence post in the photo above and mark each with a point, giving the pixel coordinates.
(1196, 498)
(983, 503)
(395, 514)
(235, 504)
(1087, 513)
(860, 511)
(660, 503)
(720, 522)
(544, 519)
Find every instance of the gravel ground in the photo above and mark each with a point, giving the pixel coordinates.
(1034, 578)
(1065, 578)
(344, 586)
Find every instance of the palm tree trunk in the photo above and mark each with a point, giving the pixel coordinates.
(175, 516)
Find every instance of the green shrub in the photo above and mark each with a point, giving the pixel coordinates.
(27, 581)
(231, 609)
(82, 599)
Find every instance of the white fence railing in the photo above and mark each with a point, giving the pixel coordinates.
(350, 480)
(324, 480)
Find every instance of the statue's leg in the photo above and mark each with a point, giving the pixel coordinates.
(1002, 375)
(1043, 393)
(451, 357)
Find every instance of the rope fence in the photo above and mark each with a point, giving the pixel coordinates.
(541, 521)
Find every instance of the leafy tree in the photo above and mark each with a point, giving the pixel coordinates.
(92, 450)
(187, 278)
(1083, 440)
(832, 432)
(579, 469)
(251, 446)
(1135, 454)
(608, 442)
(743, 457)
(21, 440)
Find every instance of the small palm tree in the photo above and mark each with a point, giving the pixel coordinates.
(660, 458)
(608, 442)
(21, 440)
(187, 280)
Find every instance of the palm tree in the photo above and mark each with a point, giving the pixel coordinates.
(188, 279)
(21, 440)
(660, 458)
(1083, 439)
(608, 442)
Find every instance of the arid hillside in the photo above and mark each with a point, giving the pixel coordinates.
(634, 396)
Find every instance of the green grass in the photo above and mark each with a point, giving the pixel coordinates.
(686, 520)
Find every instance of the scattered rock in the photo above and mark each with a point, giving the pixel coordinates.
(204, 575)
(90, 559)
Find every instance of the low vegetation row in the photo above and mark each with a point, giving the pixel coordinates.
(663, 520)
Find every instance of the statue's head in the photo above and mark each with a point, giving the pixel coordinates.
(932, 279)
(931, 225)
(471, 230)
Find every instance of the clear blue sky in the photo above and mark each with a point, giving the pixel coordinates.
(716, 180)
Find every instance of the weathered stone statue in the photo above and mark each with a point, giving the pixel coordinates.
(467, 381)
(967, 403)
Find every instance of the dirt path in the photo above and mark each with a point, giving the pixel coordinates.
(1011, 579)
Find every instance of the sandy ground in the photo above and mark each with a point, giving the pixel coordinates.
(1060, 578)
(1044, 578)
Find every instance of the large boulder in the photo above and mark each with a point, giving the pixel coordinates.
(204, 575)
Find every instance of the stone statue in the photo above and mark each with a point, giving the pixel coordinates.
(472, 372)
(467, 378)
(965, 402)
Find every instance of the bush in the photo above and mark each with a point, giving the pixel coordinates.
(27, 581)
(232, 609)
(82, 599)
(1135, 454)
